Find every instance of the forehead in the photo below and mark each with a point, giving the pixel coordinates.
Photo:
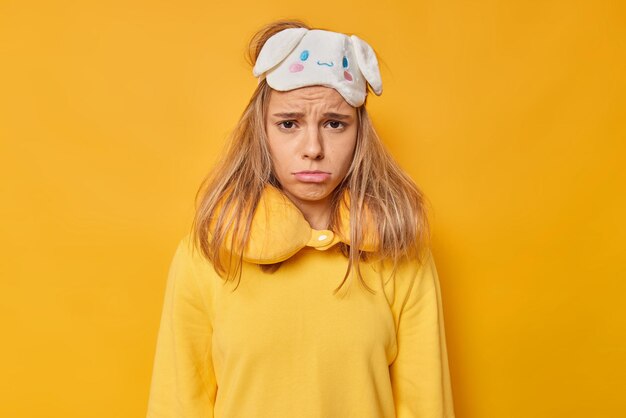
(309, 96)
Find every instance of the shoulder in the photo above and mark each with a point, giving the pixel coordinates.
(189, 267)
(189, 254)
(413, 277)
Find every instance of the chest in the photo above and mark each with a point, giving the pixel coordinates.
(293, 313)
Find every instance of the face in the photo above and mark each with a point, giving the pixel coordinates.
(312, 136)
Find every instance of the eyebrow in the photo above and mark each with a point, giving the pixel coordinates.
(296, 115)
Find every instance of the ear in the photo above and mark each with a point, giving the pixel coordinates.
(276, 49)
(368, 64)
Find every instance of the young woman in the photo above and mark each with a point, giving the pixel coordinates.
(306, 287)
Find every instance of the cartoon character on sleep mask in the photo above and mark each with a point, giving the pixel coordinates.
(299, 57)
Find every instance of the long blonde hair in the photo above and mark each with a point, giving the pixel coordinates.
(228, 196)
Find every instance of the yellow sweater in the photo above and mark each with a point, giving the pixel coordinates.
(282, 345)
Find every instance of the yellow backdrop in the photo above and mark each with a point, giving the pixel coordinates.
(509, 114)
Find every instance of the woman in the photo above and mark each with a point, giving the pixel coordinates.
(306, 287)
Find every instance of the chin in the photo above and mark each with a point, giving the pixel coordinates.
(310, 192)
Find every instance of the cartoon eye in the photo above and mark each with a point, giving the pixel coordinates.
(304, 55)
(345, 62)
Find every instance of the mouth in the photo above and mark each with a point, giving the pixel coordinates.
(312, 176)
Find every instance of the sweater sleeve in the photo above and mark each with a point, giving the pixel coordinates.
(419, 374)
(183, 381)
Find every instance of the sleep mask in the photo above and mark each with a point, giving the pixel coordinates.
(299, 57)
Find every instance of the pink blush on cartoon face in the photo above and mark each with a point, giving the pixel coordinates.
(347, 76)
(295, 67)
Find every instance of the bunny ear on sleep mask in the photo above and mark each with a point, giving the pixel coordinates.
(299, 57)
(368, 64)
(276, 49)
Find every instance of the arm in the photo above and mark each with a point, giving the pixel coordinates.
(183, 381)
(419, 374)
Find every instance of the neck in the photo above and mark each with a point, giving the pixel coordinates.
(317, 213)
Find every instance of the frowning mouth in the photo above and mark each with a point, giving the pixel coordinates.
(312, 176)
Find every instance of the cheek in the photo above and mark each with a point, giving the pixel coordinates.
(279, 157)
(344, 153)
(347, 158)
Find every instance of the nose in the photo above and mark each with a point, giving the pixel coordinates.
(313, 147)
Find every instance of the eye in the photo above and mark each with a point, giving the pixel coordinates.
(304, 55)
(336, 124)
(345, 62)
(287, 124)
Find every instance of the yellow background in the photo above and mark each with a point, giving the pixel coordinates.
(511, 116)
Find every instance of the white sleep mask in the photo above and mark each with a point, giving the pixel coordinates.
(299, 57)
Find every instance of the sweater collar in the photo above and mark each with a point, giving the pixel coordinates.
(279, 230)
